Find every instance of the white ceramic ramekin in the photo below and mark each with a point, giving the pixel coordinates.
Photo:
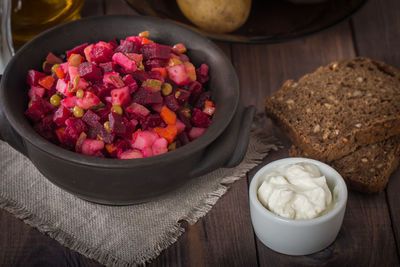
(298, 237)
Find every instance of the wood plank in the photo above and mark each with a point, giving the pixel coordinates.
(118, 7)
(376, 30)
(224, 237)
(367, 223)
(22, 245)
(93, 8)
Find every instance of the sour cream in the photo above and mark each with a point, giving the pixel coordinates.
(295, 191)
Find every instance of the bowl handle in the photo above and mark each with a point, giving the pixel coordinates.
(8, 134)
(229, 149)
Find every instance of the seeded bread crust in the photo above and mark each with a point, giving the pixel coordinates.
(339, 107)
(368, 168)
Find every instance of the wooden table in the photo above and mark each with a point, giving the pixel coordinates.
(370, 235)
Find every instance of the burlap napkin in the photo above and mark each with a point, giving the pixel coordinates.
(113, 235)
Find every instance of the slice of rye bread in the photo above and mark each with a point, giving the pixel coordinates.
(369, 167)
(341, 106)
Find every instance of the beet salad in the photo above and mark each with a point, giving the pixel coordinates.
(124, 99)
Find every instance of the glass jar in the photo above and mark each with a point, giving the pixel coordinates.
(31, 17)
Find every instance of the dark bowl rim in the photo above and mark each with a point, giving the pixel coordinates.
(31, 136)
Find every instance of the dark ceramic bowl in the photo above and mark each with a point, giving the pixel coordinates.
(115, 181)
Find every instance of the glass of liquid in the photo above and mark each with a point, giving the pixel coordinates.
(31, 17)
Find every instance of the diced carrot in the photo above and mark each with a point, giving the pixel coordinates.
(59, 133)
(162, 71)
(209, 103)
(60, 74)
(168, 116)
(146, 41)
(110, 148)
(47, 82)
(158, 130)
(209, 107)
(169, 133)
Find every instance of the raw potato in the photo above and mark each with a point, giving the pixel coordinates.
(216, 15)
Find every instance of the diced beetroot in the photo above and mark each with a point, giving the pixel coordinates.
(131, 154)
(117, 126)
(156, 75)
(185, 120)
(69, 137)
(135, 39)
(205, 96)
(114, 79)
(202, 73)
(77, 124)
(131, 83)
(140, 76)
(157, 107)
(180, 125)
(151, 121)
(184, 138)
(34, 77)
(36, 111)
(171, 102)
(100, 90)
(122, 144)
(120, 97)
(90, 72)
(128, 47)
(53, 59)
(155, 63)
(178, 74)
(154, 50)
(47, 67)
(97, 128)
(36, 92)
(89, 100)
(47, 123)
(160, 146)
(183, 97)
(108, 66)
(142, 139)
(69, 102)
(146, 97)
(101, 53)
(200, 119)
(77, 50)
(137, 109)
(61, 115)
(78, 145)
(147, 152)
(90, 146)
(124, 62)
(103, 112)
(113, 42)
(195, 132)
(90, 118)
